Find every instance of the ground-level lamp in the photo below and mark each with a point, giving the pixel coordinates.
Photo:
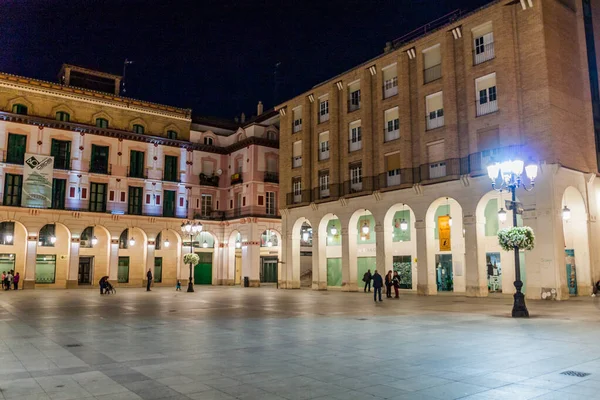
(566, 213)
(507, 175)
(192, 229)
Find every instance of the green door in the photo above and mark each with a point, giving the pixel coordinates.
(158, 269)
(334, 272)
(169, 204)
(123, 270)
(203, 270)
(268, 270)
(364, 264)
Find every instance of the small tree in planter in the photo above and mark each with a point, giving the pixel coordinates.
(191, 258)
(521, 237)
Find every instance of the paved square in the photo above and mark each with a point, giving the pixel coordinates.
(227, 343)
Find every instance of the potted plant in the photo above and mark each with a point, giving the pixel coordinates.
(191, 258)
(521, 237)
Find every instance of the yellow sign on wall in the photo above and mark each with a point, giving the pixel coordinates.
(444, 232)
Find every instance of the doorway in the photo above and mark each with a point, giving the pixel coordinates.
(494, 272)
(203, 270)
(238, 269)
(403, 265)
(268, 270)
(571, 271)
(86, 264)
(443, 272)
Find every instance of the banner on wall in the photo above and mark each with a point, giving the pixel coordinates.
(444, 232)
(37, 181)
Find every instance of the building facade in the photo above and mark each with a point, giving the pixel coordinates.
(387, 161)
(123, 177)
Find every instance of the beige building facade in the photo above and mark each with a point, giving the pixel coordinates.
(372, 158)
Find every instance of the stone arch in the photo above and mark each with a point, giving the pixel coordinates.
(400, 248)
(98, 249)
(134, 256)
(104, 115)
(361, 246)
(63, 108)
(13, 247)
(169, 250)
(52, 259)
(293, 277)
(328, 271)
(234, 258)
(138, 121)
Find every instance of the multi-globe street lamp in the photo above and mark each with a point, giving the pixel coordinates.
(191, 228)
(507, 176)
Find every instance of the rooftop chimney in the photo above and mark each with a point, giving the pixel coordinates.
(259, 108)
(243, 118)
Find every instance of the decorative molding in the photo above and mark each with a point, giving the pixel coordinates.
(314, 206)
(340, 85)
(457, 32)
(412, 53)
(377, 195)
(418, 188)
(114, 241)
(311, 98)
(373, 70)
(526, 3)
(75, 240)
(465, 180)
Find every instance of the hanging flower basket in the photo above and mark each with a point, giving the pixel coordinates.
(191, 258)
(520, 236)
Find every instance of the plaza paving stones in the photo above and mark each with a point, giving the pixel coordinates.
(261, 343)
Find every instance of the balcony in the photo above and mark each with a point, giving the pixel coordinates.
(100, 168)
(296, 161)
(403, 177)
(323, 117)
(272, 177)
(488, 107)
(394, 178)
(353, 105)
(432, 74)
(209, 180)
(209, 214)
(390, 88)
(354, 145)
(171, 178)
(301, 197)
(360, 185)
(391, 135)
(327, 192)
(441, 169)
(478, 162)
(435, 120)
(137, 173)
(483, 53)
(236, 178)
(62, 163)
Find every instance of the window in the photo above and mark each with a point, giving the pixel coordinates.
(297, 119)
(123, 195)
(169, 207)
(271, 207)
(61, 151)
(485, 88)
(206, 205)
(171, 135)
(135, 200)
(157, 200)
(101, 122)
(123, 270)
(136, 164)
(19, 109)
(13, 185)
(390, 81)
(392, 166)
(124, 239)
(297, 189)
(63, 116)
(208, 141)
(392, 125)
(323, 146)
(355, 178)
(45, 268)
(84, 193)
(355, 142)
(432, 64)
(137, 128)
(97, 197)
(483, 43)
(86, 238)
(436, 154)
(7, 233)
(171, 169)
(99, 162)
(17, 145)
(47, 236)
(324, 184)
(271, 135)
(324, 109)
(157, 269)
(435, 110)
(59, 192)
(297, 154)
(353, 96)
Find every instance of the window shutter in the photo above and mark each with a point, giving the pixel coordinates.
(297, 149)
(261, 200)
(436, 152)
(435, 102)
(390, 73)
(488, 139)
(432, 57)
(111, 195)
(158, 199)
(392, 161)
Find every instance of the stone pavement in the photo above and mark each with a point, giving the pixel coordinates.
(226, 343)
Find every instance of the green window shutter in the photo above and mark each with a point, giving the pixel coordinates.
(99, 161)
(61, 151)
(19, 109)
(12, 190)
(101, 122)
(97, 197)
(169, 203)
(137, 128)
(136, 161)
(135, 200)
(59, 188)
(171, 169)
(17, 145)
(63, 116)
(172, 135)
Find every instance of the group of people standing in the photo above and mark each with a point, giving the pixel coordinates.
(392, 280)
(10, 280)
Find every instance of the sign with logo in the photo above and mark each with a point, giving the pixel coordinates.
(444, 232)
(37, 181)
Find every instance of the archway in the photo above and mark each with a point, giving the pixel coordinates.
(270, 245)
(13, 249)
(167, 256)
(94, 255)
(361, 245)
(51, 268)
(293, 280)
(132, 257)
(576, 235)
(445, 246)
(330, 271)
(401, 244)
(234, 257)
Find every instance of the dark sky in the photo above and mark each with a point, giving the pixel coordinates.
(216, 57)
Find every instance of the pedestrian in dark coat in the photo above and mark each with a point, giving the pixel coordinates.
(367, 277)
(396, 283)
(388, 285)
(149, 276)
(377, 285)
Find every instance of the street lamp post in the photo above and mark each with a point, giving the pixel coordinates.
(191, 229)
(509, 174)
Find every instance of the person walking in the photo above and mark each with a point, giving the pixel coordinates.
(388, 285)
(9, 280)
(149, 276)
(367, 277)
(377, 285)
(178, 286)
(396, 283)
(16, 280)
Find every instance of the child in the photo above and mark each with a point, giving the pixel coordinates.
(178, 287)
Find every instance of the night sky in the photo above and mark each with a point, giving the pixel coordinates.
(216, 57)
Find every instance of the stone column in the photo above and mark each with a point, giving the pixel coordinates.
(251, 264)
(379, 249)
(113, 262)
(347, 284)
(29, 281)
(149, 260)
(319, 277)
(425, 275)
(475, 274)
(73, 277)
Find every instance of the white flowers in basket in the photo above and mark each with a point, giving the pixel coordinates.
(520, 236)
(191, 258)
